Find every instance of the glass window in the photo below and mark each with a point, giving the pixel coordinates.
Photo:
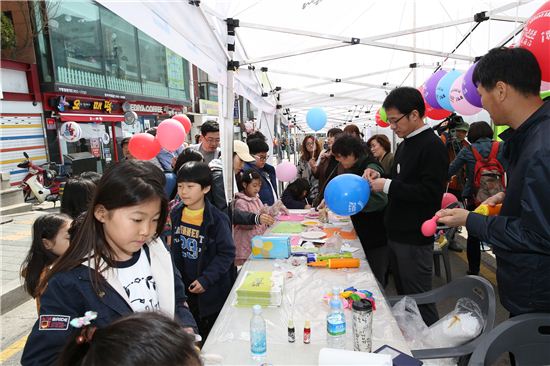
(76, 42)
(153, 60)
(42, 49)
(119, 47)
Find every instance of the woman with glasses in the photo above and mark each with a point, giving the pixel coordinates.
(260, 151)
(380, 148)
(311, 148)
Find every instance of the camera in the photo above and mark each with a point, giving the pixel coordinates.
(448, 123)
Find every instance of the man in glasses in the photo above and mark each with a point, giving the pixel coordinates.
(260, 151)
(209, 146)
(415, 187)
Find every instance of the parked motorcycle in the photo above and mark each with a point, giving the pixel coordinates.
(41, 182)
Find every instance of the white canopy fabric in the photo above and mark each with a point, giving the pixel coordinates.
(307, 45)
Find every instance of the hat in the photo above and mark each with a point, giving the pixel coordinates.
(241, 149)
(462, 127)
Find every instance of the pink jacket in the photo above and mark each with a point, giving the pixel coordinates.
(242, 234)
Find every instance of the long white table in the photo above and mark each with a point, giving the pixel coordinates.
(303, 300)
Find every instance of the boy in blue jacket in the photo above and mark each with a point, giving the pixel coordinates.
(202, 247)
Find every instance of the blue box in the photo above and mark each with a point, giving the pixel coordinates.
(274, 247)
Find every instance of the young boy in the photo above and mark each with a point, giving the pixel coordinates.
(202, 246)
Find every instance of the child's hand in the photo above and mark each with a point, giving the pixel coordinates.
(266, 219)
(196, 287)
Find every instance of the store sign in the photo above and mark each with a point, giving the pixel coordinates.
(78, 104)
(155, 109)
(208, 107)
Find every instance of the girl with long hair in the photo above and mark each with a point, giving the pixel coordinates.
(115, 265)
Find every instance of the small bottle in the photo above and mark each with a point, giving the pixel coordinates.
(362, 325)
(336, 322)
(258, 344)
(291, 331)
(307, 332)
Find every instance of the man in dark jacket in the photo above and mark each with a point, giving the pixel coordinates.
(418, 179)
(508, 80)
(259, 150)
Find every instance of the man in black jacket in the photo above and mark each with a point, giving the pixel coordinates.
(415, 187)
(508, 80)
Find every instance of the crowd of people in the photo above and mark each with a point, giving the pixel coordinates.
(125, 244)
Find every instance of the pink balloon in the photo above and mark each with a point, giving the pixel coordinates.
(170, 134)
(448, 198)
(184, 120)
(459, 102)
(144, 146)
(544, 85)
(286, 171)
(429, 227)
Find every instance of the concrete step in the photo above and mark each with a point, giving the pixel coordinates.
(5, 180)
(11, 196)
(16, 208)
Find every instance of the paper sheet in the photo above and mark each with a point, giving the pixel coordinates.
(291, 217)
(287, 227)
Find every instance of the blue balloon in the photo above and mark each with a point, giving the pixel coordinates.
(316, 118)
(347, 194)
(443, 89)
(170, 184)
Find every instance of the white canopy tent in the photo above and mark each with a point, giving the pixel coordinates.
(342, 55)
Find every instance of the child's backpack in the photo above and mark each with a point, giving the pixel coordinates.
(489, 176)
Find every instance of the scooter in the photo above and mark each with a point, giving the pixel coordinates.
(40, 183)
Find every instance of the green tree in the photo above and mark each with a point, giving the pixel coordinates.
(8, 34)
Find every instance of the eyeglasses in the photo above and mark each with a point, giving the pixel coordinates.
(399, 119)
(309, 143)
(261, 158)
(212, 140)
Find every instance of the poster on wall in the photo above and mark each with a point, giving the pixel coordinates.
(95, 147)
(174, 66)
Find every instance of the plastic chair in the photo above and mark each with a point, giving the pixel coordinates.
(475, 288)
(527, 336)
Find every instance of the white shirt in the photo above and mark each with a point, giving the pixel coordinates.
(138, 282)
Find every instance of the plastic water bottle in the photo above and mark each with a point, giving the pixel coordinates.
(336, 322)
(258, 344)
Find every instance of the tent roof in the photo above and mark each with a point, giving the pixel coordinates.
(307, 45)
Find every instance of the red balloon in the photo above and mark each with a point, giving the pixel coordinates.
(171, 134)
(433, 113)
(184, 120)
(536, 38)
(144, 146)
(379, 121)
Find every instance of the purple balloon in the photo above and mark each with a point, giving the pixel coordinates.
(469, 89)
(431, 87)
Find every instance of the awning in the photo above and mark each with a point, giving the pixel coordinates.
(85, 117)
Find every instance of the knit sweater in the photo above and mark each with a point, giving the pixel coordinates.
(419, 176)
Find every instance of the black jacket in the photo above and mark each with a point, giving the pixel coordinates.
(521, 234)
(419, 176)
(214, 266)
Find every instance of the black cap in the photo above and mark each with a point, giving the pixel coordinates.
(362, 305)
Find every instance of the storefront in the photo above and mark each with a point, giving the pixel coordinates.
(101, 123)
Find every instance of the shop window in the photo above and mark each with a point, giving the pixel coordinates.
(76, 43)
(153, 66)
(120, 53)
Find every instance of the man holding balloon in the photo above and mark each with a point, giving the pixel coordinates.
(509, 81)
(415, 187)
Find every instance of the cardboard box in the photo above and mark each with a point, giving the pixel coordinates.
(274, 247)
